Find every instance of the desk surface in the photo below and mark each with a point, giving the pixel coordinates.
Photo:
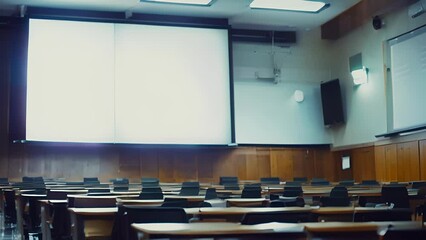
(93, 211)
(214, 228)
(153, 230)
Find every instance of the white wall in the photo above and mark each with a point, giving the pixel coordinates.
(266, 113)
(366, 104)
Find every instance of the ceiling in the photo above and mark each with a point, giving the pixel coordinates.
(237, 12)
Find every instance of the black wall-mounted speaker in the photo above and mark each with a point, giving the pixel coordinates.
(377, 23)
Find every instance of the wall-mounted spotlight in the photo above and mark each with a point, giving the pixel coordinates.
(358, 71)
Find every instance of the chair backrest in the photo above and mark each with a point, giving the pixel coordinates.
(396, 214)
(90, 179)
(251, 192)
(347, 183)
(319, 182)
(231, 186)
(266, 217)
(418, 184)
(335, 201)
(210, 194)
(292, 191)
(228, 180)
(151, 195)
(291, 202)
(270, 180)
(190, 189)
(151, 189)
(175, 202)
(88, 202)
(369, 182)
(4, 181)
(339, 191)
(120, 181)
(294, 183)
(300, 179)
(56, 195)
(150, 182)
(98, 190)
(121, 188)
(396, 195)
(137, 214)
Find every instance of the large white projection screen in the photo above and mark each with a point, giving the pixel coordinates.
(125, 83)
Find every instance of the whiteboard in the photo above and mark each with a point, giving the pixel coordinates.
(408, 79)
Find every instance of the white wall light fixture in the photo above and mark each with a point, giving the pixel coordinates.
(299, 96)
(358, 71)
(187, 2)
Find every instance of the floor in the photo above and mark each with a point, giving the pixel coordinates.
(8, 233)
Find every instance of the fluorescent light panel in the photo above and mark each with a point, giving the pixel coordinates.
(289, 5)
(190, 2)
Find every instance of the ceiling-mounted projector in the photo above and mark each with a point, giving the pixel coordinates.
(417, 9)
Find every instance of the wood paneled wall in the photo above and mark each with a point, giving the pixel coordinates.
(362, 164)
(401, 161)
(168, 164)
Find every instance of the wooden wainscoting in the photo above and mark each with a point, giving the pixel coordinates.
(169, 164)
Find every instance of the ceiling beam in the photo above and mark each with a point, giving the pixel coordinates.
(357, 15)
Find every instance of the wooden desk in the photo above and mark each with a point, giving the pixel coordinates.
(332, 230)
(93, 222)
(141, 202)
(246, 202)
(363, 230)
(203, 230)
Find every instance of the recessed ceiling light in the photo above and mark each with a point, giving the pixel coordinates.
(290, 5)
(188, 2)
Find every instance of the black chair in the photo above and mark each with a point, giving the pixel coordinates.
(90, 179)
(339, 191)
(228, 180)
(270, 180)
(120, 181)
(335, 201)
(347, 183)
(231, 186)
(252, 191)
(418, 184)
(121, 188)
(138, 214)
(229, 183)
(300, 179)
(293, 183)
(4, 181)
(9, 206)
(150, 182)
(152, 189)
(151, 195)
(210, 194)
(175, 202)
(190, 189)
(394, 214)
(338, 198)
(283, 217)
(319, 182)
(293, 191)
(369, 183)
(90, 202)
(98, 190)
(396, 195)
(289, 202)
(412, 234)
